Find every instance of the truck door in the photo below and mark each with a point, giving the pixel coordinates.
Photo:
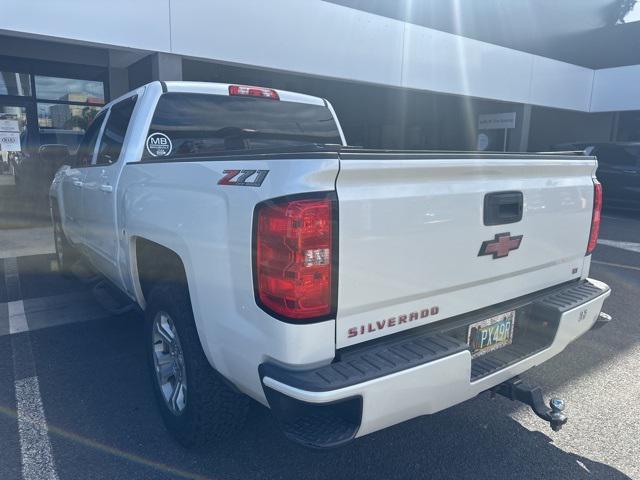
(99, 199)
(73, 181)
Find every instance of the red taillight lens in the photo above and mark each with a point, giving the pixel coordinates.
(293, 257)
(248, 91)
(595, 219)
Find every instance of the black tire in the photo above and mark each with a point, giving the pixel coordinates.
(66, 255)
(213, 411)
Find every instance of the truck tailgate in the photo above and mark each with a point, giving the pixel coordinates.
(412, 230)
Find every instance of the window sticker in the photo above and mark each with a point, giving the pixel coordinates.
(9, 136)
(10, 142)
(159, 145)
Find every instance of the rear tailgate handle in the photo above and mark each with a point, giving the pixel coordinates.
(501, 208)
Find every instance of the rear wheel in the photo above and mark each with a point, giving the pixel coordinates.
(196, 405)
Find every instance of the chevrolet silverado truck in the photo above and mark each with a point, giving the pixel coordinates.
(346, 289)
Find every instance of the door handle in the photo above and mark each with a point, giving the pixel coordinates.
(501, 208)
(106, 188)
(77, 183)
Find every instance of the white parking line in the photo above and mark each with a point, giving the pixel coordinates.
(53, 311)
(12, 281)
(17, 318)
(629, 246)
(21, 242)
(35, 447)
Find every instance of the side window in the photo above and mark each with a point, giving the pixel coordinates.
(114, 131)
(88, 143)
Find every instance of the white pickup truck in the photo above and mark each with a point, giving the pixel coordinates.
(346, 289)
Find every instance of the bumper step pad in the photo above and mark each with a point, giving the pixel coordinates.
(369, 362)
(569, 298)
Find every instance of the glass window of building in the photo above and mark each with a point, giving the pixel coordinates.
(65, 116)
(66, 107)
(69, 90)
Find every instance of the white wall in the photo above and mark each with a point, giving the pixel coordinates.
(300, 36)
(320, 38)
(443, 62)
(560, 85)
(616, 89)
(331, 40)
(140, 24)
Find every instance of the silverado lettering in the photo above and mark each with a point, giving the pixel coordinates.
(392, 322)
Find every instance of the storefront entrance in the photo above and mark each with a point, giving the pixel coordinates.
(37, 110)
(15, 117)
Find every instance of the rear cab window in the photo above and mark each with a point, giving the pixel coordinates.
(193, 124)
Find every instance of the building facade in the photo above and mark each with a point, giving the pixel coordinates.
(395, 81)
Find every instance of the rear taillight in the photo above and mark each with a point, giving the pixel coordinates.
(248, 91)
(294, 260)
(595, 218)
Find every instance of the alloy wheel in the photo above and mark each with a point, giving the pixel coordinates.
(169, 364)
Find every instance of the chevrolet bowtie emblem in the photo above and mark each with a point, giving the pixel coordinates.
(500, 246)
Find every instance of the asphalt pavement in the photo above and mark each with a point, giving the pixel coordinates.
(76, 402)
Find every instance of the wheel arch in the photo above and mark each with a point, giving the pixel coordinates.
(153, 263)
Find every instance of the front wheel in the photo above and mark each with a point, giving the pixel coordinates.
(66, 255)
(196, 405)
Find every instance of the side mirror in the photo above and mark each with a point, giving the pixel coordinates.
(54, 150)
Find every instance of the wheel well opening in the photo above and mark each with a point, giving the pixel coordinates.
(157, 264)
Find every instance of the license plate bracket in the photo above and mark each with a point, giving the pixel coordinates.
(491, 333)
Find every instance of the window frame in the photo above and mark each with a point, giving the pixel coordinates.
(95, 160)
(101, 116)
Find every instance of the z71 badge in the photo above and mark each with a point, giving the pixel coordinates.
(243, 178)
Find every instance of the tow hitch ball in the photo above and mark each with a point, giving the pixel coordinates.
(516, 389)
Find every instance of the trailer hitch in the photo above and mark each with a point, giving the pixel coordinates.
(516, 389)
(602, 320)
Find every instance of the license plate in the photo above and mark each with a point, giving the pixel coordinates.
(491, 334)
